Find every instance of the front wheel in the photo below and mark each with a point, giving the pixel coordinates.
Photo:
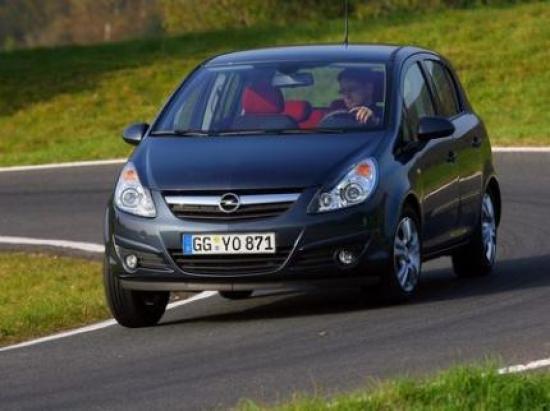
(477, 258)
(130, 308)
(400, 279)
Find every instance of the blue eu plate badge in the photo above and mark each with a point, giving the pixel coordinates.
(187, 244)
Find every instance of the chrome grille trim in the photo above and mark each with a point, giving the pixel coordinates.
(251, 206)
(247, 199)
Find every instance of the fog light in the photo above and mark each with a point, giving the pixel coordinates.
(131, 261)
(346, 257)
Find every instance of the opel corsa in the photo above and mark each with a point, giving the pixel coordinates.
(322, 165)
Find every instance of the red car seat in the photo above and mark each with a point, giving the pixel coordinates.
(299, 110)
(263, 106)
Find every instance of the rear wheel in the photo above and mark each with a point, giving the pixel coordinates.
(477, 258)
(400, 279)
(131, 308)
(235, 295)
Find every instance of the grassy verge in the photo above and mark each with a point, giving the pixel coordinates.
(71, 103)
(44, 294)
(459, 389)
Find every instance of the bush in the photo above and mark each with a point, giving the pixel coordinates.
(200, 15)
(179, 16)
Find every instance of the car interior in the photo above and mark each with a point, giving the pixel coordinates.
(273, 98)
(264, 107)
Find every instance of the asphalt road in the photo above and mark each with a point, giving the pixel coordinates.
(213, 352)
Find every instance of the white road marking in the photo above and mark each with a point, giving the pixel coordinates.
(197, 297)
(521, 149)
(533, 365)
(497, 149)
(75, 245)
(64, 165)
(103, 324)
(88, 328)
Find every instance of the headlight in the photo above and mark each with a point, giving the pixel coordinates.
(353, 189)
(131, 196)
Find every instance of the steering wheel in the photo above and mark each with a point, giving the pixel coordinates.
(339, 118)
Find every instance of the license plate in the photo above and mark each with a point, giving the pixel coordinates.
(251, 243)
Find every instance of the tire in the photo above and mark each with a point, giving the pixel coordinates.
(133, 309)
(235, 295)
(399, 281)
(477, 258)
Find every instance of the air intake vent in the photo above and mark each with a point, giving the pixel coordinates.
(230, 264)
(314, 260)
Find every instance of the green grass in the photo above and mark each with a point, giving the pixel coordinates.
(44, 294)
(460, 389)
(71, 103)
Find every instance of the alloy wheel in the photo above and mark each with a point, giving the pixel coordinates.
(488, 228)
(406, 253)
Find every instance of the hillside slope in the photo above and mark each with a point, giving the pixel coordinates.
(71, 103)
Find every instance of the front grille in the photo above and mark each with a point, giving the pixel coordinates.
(244, 212)
(230, 264)
(252, 206)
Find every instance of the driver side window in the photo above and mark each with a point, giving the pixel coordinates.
(416, 98)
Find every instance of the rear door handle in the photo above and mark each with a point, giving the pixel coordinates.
(476, 141)
(451, 157)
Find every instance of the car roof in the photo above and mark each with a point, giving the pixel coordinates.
(305, 53)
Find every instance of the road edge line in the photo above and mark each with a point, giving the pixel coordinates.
(63, 165)
(75, 245)
(101, 325)
(521, 149)
(532, 365)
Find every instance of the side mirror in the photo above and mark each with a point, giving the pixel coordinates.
(434, 127)
(135, 133)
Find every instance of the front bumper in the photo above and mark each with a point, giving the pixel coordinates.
(308, 245)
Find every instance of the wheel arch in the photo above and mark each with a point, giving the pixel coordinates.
(394, 208)
(493, 187)
(412, 201)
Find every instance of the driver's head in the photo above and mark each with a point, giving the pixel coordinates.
(356, 87)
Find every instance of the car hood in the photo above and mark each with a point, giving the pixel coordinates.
(248, 163)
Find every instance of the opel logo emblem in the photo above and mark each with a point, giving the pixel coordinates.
(229, 203)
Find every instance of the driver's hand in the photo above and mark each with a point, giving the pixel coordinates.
(362, 114)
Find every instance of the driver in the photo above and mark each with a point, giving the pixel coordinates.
(357, 88)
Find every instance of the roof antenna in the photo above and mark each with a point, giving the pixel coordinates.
(346, 23)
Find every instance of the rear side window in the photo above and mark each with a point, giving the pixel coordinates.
(417, 99)
(445, 88)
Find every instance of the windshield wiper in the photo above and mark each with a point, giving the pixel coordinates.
(184, 133)
(330, 130)
(260, 131)
(277, 131)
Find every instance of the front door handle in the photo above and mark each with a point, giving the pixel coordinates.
(476, 141)
(451, 157)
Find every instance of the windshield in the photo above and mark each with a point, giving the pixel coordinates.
(278, 97)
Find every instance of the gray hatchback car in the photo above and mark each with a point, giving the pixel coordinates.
(323, 165)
